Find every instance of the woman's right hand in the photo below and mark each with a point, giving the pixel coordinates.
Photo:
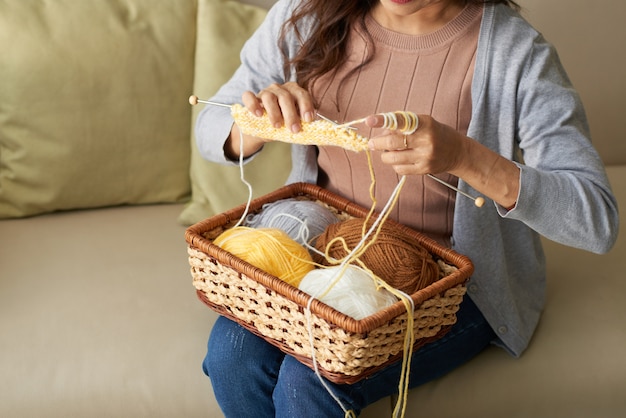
(284, 104)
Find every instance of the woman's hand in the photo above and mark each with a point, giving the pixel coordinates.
(432, 148)
(284, 104)
(436, 148)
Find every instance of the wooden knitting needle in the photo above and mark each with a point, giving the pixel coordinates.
(478, 201)
(193, 100)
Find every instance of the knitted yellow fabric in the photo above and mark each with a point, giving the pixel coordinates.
(319, 132)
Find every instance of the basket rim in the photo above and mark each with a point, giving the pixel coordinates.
(196, 240)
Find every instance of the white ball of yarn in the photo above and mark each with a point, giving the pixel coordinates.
(353, 294)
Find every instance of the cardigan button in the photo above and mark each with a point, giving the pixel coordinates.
(502, 329)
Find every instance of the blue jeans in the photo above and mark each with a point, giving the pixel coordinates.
(252, 378)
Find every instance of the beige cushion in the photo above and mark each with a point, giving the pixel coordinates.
(223, 27)
(93, 108)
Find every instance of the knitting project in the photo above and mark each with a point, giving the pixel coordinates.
(319, 132)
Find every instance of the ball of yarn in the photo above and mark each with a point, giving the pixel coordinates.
(354, 294)
(271, 250)
(395, 256)
(302, 220)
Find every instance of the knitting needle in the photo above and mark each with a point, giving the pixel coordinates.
(478, 201)
(193, 100)
(349, 124)
(334, 122)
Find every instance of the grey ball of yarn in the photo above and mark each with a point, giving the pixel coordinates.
(302, 220)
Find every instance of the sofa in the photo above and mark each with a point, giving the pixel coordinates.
(99, 178)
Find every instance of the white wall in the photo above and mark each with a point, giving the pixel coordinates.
(591, 39)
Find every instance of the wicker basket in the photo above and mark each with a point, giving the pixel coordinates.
(346, 349)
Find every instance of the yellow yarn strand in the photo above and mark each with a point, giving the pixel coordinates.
(409, 339)
(353, 256)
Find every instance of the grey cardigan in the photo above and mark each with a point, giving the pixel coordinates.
(524, 107)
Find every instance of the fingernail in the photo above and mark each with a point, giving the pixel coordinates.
(278, 125)
(370, 145)
(258, 113)
(295, 128)
(308, 117)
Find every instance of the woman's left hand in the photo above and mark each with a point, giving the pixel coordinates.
(432, 148)
(437, 148)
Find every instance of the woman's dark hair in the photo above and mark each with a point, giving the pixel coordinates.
(325, 49)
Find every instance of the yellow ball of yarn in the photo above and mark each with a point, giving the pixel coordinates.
(269, 249)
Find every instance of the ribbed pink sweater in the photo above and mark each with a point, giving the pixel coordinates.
(427, 74)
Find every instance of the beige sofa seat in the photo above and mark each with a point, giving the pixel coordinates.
(98, 318)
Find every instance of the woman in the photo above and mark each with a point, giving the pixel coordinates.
(497, 116)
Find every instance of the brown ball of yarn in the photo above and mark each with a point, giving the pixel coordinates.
(395, 256)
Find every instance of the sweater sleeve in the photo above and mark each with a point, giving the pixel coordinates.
(564, 192)
(525, 108)
(261, 65)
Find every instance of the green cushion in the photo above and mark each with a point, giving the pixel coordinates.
(93, 103)
(223, 28)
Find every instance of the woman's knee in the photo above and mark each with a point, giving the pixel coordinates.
(227, 346)
(232, 349)
(299, 392)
